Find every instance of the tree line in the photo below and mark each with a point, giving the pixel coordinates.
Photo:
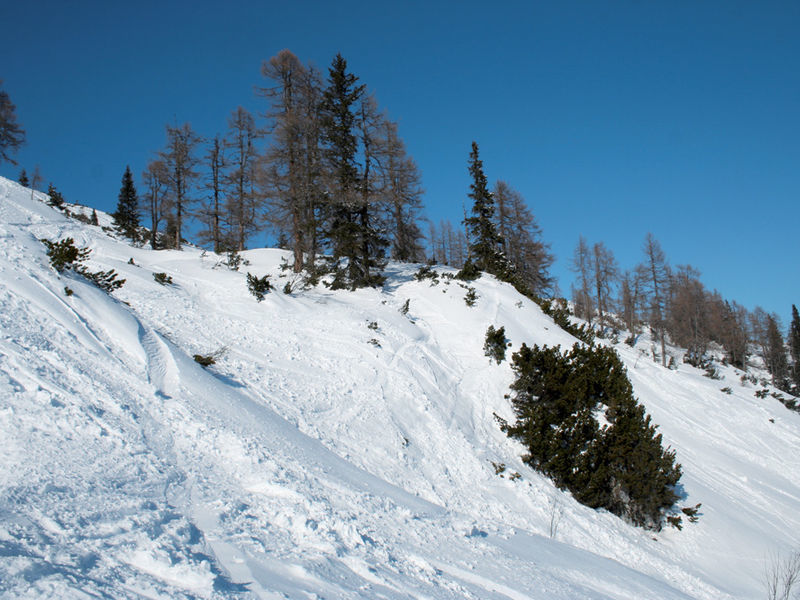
(677, 306)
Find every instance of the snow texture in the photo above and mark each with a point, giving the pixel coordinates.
(338, 448)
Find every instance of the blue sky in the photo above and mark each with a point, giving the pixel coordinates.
(611, 118)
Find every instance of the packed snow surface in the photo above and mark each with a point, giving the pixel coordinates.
(340, 446)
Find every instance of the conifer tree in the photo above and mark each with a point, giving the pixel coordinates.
(56, 199)
(522, 240)
(485, 243)
(794, 348)
(126, 217)
(776, 354)
(349, 218)
(179, 162)
(23, 178)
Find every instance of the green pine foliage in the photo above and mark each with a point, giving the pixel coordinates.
(23, 179)
(495, 344)
(621, 465)
(56, 200)
(258, 286)
(485, 242)
(469, 272)
(66, 256)
(358, 244)
(126, 217)
(794, 349)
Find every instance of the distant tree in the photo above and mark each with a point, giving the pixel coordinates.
(485, 242)
(728, 325)
(581, 293)
(630, 299)
(655, 275)
(212, 212)
(688, 313)
(126, 217)
(402, 190)
(156, 197)
(180, 162)
(766, 333)
(794, 348)
(522, 240)
(242, 200)
(12, 136)
(56, 200)
(286, 158)
(605, 273)
(23, 178)
(369, 125)
(36, 179)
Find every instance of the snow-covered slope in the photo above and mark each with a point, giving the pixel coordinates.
(339, 447)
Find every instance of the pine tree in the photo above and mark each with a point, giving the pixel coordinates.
(23, 178)
(126, 217)
(794, 348)
(56, 199)
(349, 222)
(12, 136)
(776, 354)
(485, 243)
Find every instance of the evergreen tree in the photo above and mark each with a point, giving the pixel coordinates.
(794, 348)
(56, 200)
(126, 217)
(776, 354)
(485, 243)
(23, 178)
(12, 136)
(349, 227)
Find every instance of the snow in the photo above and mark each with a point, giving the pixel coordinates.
(323, 456)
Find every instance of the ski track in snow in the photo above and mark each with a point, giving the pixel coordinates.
(337, 449)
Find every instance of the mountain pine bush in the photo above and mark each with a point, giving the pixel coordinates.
(66, 256)
(620, 465)
(495, 344)
(258, 286)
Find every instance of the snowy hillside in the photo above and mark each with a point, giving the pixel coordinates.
(338, 448)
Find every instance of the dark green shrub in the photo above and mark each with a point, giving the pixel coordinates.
(495, 344)
(66, 256)
(469, 272)
(620, 466)
(557, 310)
(425, 272)
(258, 286)
(471, 297)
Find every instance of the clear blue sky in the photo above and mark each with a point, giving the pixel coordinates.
(611, 118)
